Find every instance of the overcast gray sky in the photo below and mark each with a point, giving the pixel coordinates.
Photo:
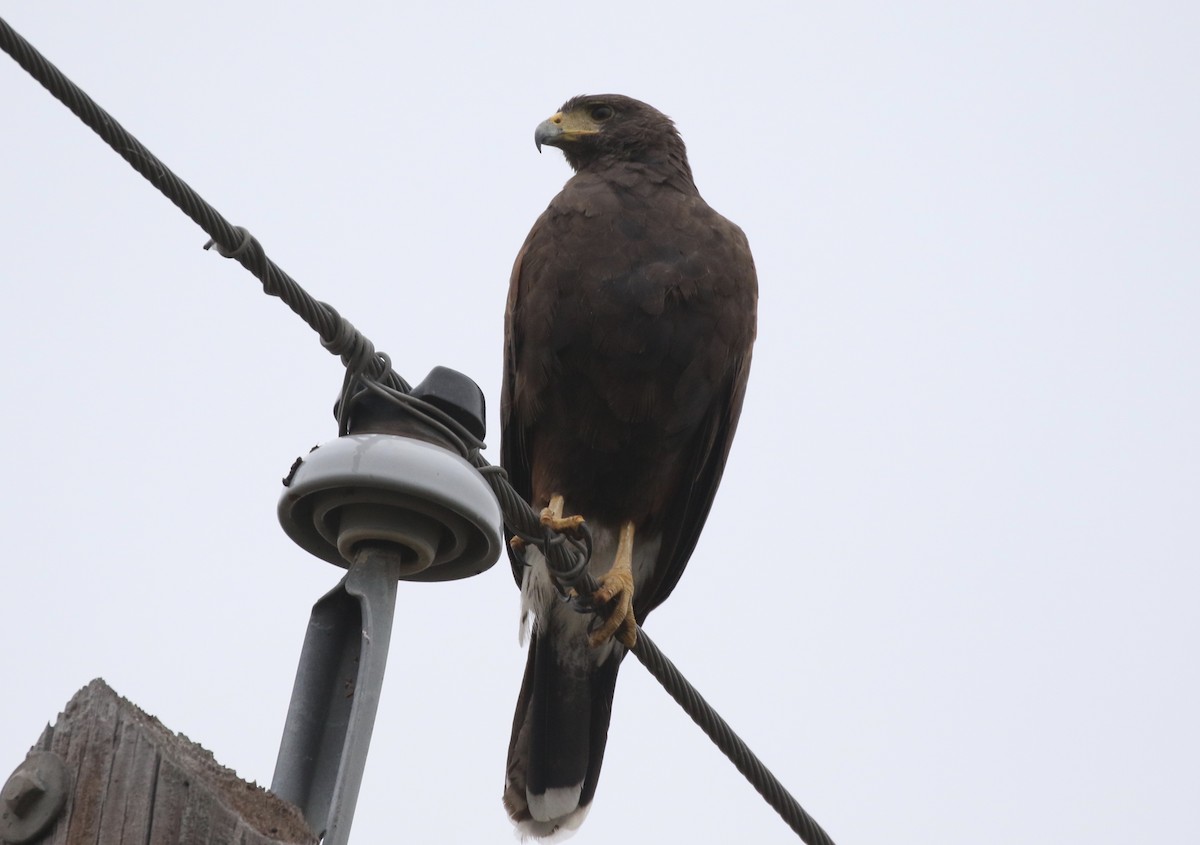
(948, 590)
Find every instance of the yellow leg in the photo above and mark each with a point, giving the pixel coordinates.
(617, 584)
(552, 516)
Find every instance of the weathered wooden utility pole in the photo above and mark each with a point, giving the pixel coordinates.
(108, 773)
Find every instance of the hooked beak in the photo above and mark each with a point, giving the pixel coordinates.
(549, 132)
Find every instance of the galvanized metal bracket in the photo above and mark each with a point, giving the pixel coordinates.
(336, 694)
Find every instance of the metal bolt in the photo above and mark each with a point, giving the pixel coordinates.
(23, 790)
(33, 798)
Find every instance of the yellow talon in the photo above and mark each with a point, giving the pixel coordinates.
(552, 516)
(617, 585)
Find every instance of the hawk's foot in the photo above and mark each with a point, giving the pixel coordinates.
(616, 587)
(561, 524)
(552, 517)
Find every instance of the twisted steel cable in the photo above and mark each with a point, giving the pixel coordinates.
(718, 730)
(373, 370)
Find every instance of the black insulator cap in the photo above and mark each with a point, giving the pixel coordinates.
(456, 395)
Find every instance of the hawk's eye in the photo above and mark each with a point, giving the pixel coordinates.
(601, 113)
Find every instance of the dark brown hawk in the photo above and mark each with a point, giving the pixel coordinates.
(628, 332)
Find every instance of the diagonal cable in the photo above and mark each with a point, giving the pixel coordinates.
(723, 736)
(357, 352)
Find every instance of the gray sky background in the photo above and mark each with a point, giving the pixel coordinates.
(948, 591)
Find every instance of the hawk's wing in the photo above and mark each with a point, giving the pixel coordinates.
(687, 512)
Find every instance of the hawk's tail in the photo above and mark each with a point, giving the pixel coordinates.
(559, 730)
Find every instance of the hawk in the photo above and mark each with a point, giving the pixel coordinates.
(629, 325)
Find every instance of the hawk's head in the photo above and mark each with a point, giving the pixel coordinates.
(609, 127)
